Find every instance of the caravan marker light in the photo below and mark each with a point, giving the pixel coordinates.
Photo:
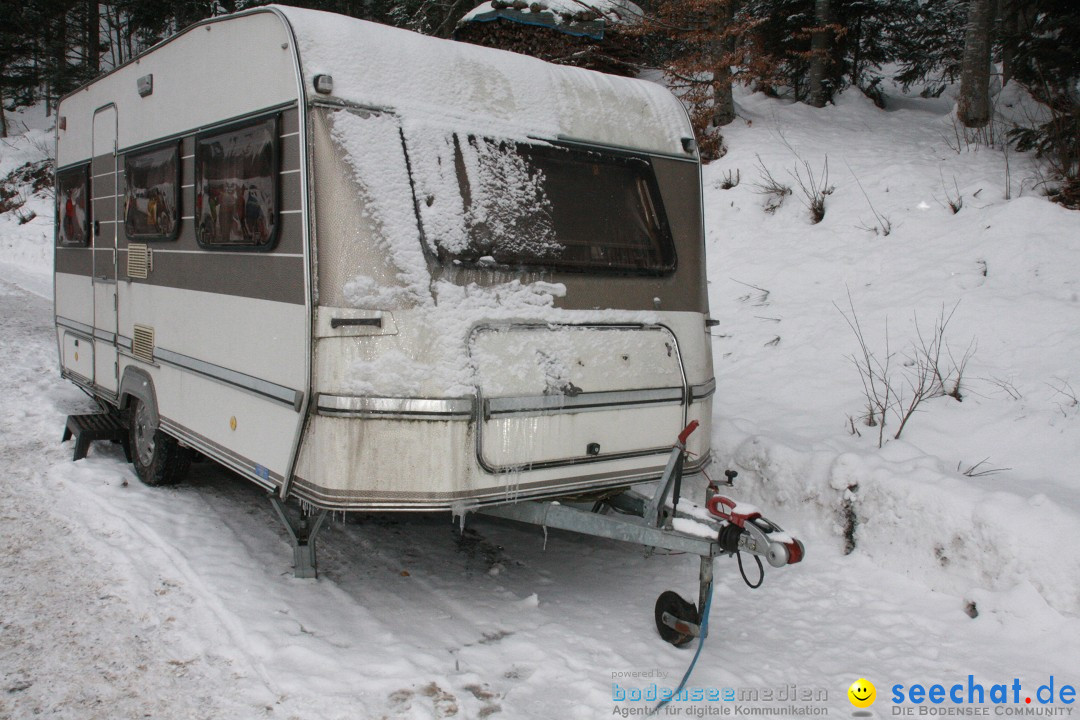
(324, 84)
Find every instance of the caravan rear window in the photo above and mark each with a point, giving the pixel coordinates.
(485, 201)
(72, 194)
(236, 186)
(151, 203)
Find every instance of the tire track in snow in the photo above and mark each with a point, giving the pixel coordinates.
(72, 641)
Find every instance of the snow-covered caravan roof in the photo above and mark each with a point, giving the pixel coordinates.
(446, 83)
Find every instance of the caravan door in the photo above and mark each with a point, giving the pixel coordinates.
(104, 191)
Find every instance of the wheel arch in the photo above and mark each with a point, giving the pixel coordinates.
(137, 383)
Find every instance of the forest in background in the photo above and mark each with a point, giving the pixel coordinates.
(807, 50)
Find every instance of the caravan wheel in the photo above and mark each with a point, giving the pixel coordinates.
(158, 458)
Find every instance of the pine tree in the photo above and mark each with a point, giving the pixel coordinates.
(775, 45)
(930, 45)
(1046, 61)
(871, 36)
(694, 43)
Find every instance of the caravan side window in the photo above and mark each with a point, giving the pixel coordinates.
(236, 194)
(72, 212)
(151, 203)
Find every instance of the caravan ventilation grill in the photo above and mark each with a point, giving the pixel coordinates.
(142, 344)
(138, 265)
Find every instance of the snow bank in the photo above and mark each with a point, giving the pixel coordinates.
(789, 397)
(27, 244)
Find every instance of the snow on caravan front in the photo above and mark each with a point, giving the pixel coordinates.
(511, 297)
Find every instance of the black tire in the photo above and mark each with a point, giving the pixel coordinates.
(671, 602)
(158, 458)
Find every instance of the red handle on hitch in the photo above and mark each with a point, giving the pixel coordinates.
(688, 431)
(724, 508)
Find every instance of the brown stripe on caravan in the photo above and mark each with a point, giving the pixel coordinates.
(104, 211)
(290, 153)
(75, 260)
(290, 121)
(104, 259)
(263, 276)
(104, 179)
(289, 182)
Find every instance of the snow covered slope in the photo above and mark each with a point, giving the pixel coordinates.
(789, 395)
(118, 600)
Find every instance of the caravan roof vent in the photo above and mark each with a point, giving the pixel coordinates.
(324, 84)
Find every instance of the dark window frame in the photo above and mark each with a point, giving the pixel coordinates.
(275, 160)
(176, 146)
(614, 156)
(88, 222)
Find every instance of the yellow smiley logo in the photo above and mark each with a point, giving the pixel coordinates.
(862, 693)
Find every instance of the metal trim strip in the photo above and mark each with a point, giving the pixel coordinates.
(706, 389)
(412, 500)
(569, 140)
(75, 325)
(585, 402)
(256, 385)
(395, 408)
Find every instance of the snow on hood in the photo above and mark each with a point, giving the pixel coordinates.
(496, 92)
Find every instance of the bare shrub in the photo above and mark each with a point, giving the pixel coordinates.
(954, 202)
(1069, 398)
(930, 370)
(973, 471)
(814, 189)
(773, 190)
(882, 225)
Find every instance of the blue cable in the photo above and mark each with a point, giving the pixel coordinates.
(701, 644)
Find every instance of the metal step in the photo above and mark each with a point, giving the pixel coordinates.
(96, 426)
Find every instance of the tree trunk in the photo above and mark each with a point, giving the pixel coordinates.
(1009, 28)
(973, 107)
(3, 117)
(820, 47)
(855, 39)
(93, 37)
(723, 102)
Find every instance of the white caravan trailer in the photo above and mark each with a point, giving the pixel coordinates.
(367, 269)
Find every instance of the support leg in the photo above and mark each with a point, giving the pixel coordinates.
(82, 446)
(302, 535)
(705, 578)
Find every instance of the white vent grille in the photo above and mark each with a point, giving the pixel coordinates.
(138, 265)
(142, 344)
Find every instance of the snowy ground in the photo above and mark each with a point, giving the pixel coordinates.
(121, 601)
